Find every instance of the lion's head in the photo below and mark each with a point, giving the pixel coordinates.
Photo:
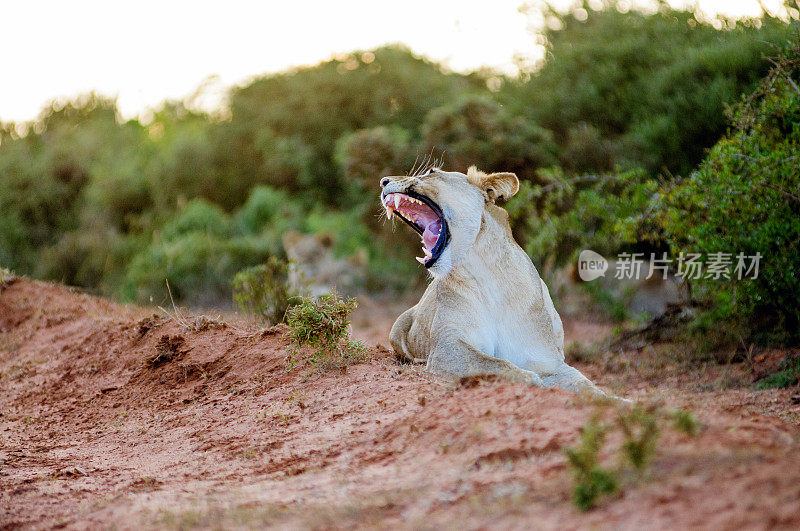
(445, 209)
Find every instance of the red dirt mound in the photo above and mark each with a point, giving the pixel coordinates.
(117, 417)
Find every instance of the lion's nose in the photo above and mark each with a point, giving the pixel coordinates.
(385, 181)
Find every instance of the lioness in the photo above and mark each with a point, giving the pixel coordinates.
(486, 311)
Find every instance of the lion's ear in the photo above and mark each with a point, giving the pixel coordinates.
(501, 185)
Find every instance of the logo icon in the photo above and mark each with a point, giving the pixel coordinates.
(591, 265)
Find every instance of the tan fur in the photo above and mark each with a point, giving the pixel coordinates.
(497, 186)
(486, 311)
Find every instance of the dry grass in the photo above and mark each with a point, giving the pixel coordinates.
(6, 278)
(167, 349)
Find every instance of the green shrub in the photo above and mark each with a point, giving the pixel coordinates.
(684, 421)
(639, 90)
(640, 433)
(555, 220)
(200, 216)
(369, 154)
(198, 266)
(788, 374)
(638, 427)
(745, 198)
(119, 206)
(591, 480)
(265, 291)
(323, 324)
(477, 130)
(268, 210)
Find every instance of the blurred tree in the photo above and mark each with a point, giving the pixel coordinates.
(477, 130)
(369, 154)
(118, 206)
(640, 90)
(318, 105)
(745, 198)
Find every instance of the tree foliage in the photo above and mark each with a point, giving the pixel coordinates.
(745, 198)
(118, 207)
(641, 90)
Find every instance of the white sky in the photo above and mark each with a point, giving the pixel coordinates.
(145, 51)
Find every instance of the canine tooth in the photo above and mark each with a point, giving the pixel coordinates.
(420, 260)
(426, 251)
(397, 201)
(388, 212)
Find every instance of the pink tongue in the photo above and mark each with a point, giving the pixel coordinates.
(431, 234)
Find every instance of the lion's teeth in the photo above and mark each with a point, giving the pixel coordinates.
(388, 212)
(420, 260)
(426, 251)
(397, 201)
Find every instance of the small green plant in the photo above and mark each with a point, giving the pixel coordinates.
(641, 433)
(322, 323)
(265, 290)
(591, 480)
(788, 374)
(639, 429)
(685, 422)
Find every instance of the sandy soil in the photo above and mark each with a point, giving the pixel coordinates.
(100, 428)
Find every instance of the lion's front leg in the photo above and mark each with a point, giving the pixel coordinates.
(398, 337)
(457, 358)
(572, 379)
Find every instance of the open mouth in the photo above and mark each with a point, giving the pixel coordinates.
(425, 217)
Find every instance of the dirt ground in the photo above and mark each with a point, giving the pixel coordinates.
(122, 417)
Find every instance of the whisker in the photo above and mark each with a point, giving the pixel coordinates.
(414, 167)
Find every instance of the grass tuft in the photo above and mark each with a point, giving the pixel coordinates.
(591, 480)
(639, 427)
(684, 421)
(641, 434)
(787, 375)
(323, 324)
(168, 348)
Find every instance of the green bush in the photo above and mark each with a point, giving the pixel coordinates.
(639, 90)
(638, 428)
(788, 374)
(685, 422)
(745, 198)
(477, 130)
(591, 480)
(323, 324)
(369, 154)
(268, 213)
(119, 206)
(198, 216)
(265, 290)
(556, 219)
